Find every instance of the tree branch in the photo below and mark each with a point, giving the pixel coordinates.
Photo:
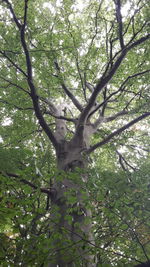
(117, 132)
(72, 97)
(139, 41)
(13, 63)
(103, 82)
(54, 112)
(15, 106)
(14, 84)
(13, 13)
(113, 117)
(121, 89)
(119, 20)
(60, 117)
(67, 91)
(33, 94)
(43, 190)
(122, 159)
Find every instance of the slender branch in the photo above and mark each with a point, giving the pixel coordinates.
(15, 106)
(54, 112)
(13, 63)
(139, 41)
(131, 20)
(66, 229)
(60, 117)
(133, 76)
(14, 84)
(122, 159)
(121, 89)
(113, 117)
(67, 91)
(43, 190)
(134, 233)
(12, 52)
(135, 34)
(79, 73)
(117, 132)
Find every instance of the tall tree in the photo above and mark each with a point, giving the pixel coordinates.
(74, 79)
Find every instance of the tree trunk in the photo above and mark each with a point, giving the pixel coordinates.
(71, 232)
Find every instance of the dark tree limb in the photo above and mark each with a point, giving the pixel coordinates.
(121, 89)
(13, 13)
(113, 117)
(66, 90)
(60, 117)
(15, 85)
(72, 97)
(33, 94)
(43, 190)
(122, 160)
(4, 54)
(117, 132)
(53, 111)
(120, 24)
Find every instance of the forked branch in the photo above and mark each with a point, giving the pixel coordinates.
(103, 82)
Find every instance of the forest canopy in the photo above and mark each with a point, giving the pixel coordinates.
(74, 134)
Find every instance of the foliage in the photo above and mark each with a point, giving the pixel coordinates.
(73, 54)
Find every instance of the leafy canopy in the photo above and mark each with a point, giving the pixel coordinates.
(73, 47)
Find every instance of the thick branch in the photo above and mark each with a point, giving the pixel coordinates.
(34, 96)
(119, 20)
(13, 13)
(72, 97)
(117, 132)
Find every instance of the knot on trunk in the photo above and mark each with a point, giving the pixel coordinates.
(73, 164)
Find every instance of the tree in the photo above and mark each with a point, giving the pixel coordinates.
(74, 79)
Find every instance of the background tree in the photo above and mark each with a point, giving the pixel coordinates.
(75, 108)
